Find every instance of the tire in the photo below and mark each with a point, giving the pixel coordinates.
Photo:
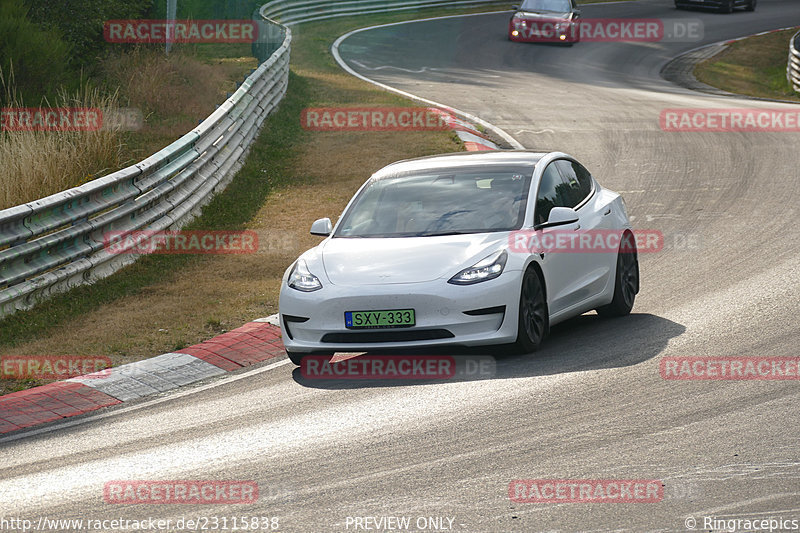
(678, 6)
(726, 7)
(626, 280)
(296, 357)
(533, 320)
(751, 6)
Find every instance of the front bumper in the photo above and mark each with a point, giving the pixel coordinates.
(547, 32)
(314, 322)
(708, 4)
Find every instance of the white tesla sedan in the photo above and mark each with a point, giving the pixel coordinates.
(487, 248)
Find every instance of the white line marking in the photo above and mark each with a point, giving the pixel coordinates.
(385, 67)
(335, 51)
(69, 422)
(535, 132)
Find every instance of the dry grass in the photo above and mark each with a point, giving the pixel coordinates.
(173, 92)
(753, 67)
(40, 163)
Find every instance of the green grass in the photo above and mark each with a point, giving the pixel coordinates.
(753, 67)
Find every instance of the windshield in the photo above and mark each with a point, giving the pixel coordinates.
(444, 202)
(556, 6)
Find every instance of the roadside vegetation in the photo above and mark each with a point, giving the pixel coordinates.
(38, 163)
(754, 67)
(53, 55)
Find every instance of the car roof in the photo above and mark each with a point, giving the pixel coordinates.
(518, 158)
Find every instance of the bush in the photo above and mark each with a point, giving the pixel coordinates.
(33, 61)
(81, 21)
(210, 9)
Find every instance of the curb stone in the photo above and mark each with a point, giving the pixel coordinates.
(252, 343)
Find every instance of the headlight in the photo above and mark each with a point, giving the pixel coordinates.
(302, 279)
(485, 269)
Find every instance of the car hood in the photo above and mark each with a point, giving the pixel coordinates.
(382, 261)
(544, 17)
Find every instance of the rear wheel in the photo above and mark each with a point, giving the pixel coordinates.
(533, 317)
(751, 6)
(626, 283)
(726, 6)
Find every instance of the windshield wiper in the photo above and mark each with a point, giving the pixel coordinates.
(443, 233)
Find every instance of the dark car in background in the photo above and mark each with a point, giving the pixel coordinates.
(723, 6)
(545, 21)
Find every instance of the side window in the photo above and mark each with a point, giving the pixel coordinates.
(553, 192)
(578, 179)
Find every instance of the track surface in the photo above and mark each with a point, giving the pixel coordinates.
(591, 404)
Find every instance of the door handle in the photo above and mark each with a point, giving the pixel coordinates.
(608, 212)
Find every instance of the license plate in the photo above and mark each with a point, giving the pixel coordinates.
(396, 318)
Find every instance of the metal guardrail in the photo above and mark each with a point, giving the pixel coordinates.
(291, 12)
(53, 244)
(793, 69)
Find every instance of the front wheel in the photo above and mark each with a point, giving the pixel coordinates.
(296, 357)
(726, 7)
(533, 317)
(626, 282)
(751, 6)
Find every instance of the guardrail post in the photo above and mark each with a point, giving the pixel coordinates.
(793, 68)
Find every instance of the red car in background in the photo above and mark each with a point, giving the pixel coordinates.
(545, 21)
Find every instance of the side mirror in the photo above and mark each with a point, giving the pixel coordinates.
(322, 227)
(515, 8)
(576, 12)
(560, 216)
